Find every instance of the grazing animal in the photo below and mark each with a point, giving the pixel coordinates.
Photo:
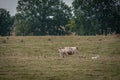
(64, 52)
(74, 49)
(68, 51)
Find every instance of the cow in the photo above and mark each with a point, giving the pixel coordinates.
(68, 51)
(65, 52)
(74, 49)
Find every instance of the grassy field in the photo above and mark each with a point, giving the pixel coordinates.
(37, 58)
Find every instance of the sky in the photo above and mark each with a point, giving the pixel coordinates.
(10, 5)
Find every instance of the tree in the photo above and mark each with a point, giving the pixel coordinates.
(42, 17)
(5, 22)
(100, 16)
(70, 27)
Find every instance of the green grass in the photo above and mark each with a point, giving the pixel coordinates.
(37, 58)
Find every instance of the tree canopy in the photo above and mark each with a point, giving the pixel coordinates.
(54, 17)
(97, 16)
(5, 22)
(42, 17)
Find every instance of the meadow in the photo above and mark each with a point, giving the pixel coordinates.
(37, 58)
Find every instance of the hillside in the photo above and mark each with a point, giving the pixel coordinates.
(37, 58)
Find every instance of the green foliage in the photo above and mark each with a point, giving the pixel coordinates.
(42, 17)
(97, 16)
(70, 27)
(5, 22)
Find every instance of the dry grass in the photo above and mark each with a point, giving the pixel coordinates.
(37, 58)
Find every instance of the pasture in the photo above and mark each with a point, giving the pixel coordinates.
(37, 58)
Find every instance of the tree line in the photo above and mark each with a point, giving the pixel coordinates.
(54, 17)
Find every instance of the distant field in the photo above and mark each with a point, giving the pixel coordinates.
(37, 58)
